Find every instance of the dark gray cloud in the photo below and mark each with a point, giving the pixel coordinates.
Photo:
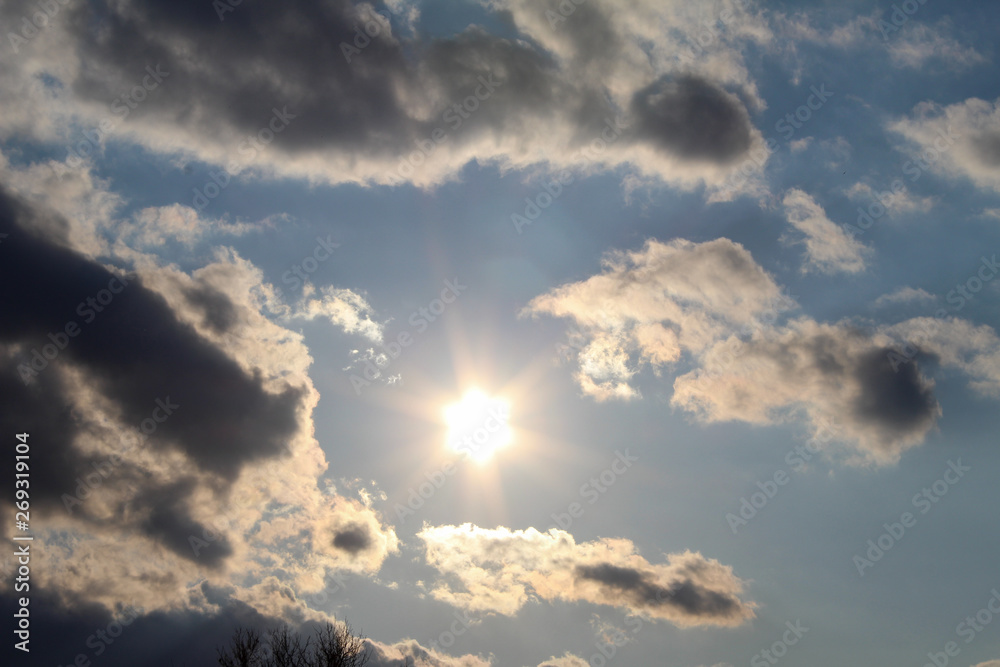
(217, 309)
(134, 351)
(987, 146)
(353, 539)
(693, 118)
(357, 117)
(641, 590)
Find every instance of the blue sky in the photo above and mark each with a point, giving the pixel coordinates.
(674, 245)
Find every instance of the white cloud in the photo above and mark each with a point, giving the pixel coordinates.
(500, 570)
(649, 306)
(828, 248)
(904, 295)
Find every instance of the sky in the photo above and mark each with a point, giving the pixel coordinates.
(514, 333)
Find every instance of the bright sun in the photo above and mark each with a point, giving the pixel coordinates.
(478, 425)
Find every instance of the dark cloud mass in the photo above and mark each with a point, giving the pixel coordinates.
(693, 118)
(642, 592)
(136, 353)
(353, 539)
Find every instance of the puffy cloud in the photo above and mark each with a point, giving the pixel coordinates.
(649, 306)
(960, 344)
(961, 138)
(499, 570)
(177, 422)
(345, 309)
(276, 79)
(840, 378)
(828, 248)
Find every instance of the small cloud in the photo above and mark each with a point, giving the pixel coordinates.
(904, 295)
(828, 248)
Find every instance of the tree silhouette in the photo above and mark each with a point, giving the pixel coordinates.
(331, 646)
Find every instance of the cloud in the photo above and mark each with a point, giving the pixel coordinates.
(345, 309)
(900, 200)
(904, 295)
(650, 306)
(828, 248)
(177, 422)
(412, 654)
(972, 349)
(566, 660)
(499, 570)
(920, 43)
(515, 103)
(840, 378)
(961, 138)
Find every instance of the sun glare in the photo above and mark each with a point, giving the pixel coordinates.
(478, 425)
